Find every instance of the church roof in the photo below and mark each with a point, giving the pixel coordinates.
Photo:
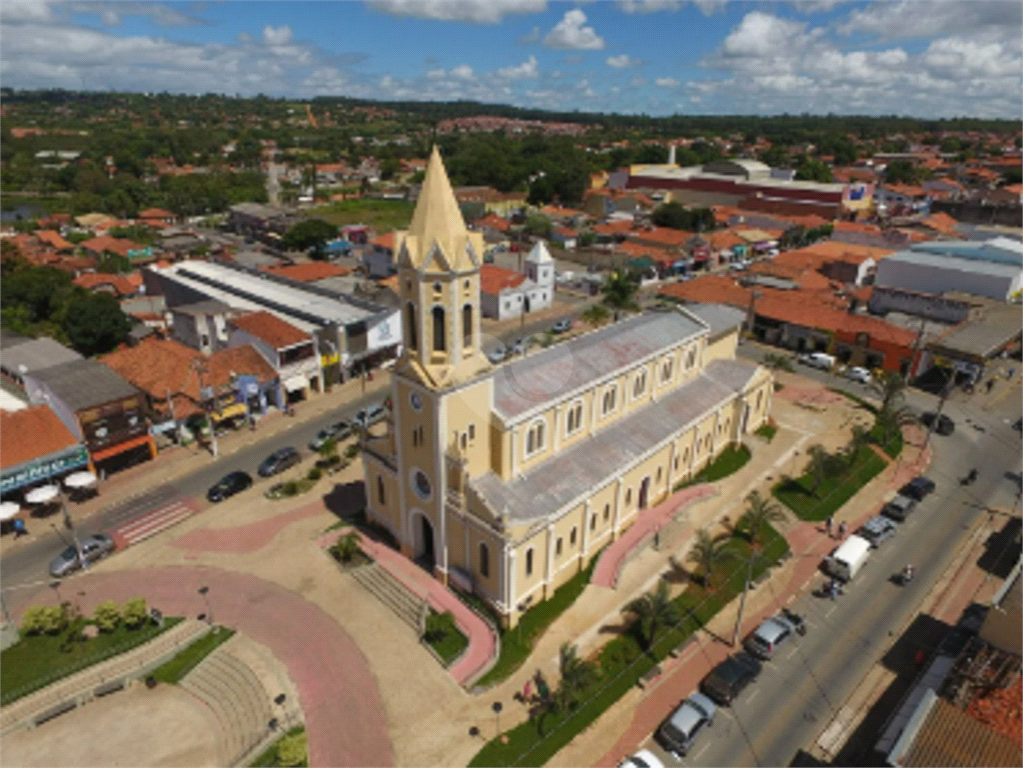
(573, 473)
(437, 221)
(534, 382)
(540, 254)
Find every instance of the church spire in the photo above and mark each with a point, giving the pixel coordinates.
(437, 222)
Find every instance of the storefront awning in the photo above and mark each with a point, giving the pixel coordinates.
(296, 383)
(229, 412)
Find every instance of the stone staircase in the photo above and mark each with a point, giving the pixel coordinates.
(381, 584)
(242, 707)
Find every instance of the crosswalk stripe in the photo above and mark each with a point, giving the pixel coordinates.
(153, 522)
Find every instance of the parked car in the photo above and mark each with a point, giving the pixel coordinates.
(771, 634)
(738, 266)
(918, 488)
(819, 360)
(642, 759)
(562, 325)
(278, 461)
(679, 731)
(337, 431)
(228, 486)
(856, 373)
(728, 679)
(497, 355)
(945, 425)
(370, 415)
(877, 530)
(898, 509)
(94, 548)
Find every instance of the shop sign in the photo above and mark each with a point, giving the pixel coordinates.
(42, 469)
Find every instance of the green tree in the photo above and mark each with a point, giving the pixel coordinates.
(346, 547)
(776, 362)
(890, 387)
(859, 438)
(107, 616)
(676, 216)
(813, 170)
(759, 512)
(902, 171)
(892, 419)
(653, 611)
(595, 315)
(707, 553)
(292, 750)
(94, 323)
(135, 613)
(576, 677)
(819, 466)
(41, 290)
(538, 225)
(619, 291)
(309, 234)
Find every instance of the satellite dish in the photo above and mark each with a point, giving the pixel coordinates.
(42, 494)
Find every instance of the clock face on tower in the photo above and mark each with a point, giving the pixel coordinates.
(416, 401)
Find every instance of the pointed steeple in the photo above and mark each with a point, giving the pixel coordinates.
(438, 221)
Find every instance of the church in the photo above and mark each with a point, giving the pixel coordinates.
(506, 480)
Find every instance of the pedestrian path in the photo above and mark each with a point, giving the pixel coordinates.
(152, 523)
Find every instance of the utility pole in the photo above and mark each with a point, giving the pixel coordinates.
(945, 392)
(916, 349)
(201, 370)
(745, 591)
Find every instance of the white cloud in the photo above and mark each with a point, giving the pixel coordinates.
(279, 36)
(622, 61)
(637, 81)
(24, 10)
(911, 19)
(475, 11)
(533, 36)
(667, 82)
(761, 34)
(526, 70)
(111, 13)
(570, 34)
(462, 71)
(707, 7)
(436, 74)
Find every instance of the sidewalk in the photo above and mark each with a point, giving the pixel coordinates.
(176, 461)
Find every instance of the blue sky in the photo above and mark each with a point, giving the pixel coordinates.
(928, 58)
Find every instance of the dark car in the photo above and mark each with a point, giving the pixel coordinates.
(728, 679)
(945, 425)
(562, 326)
(918, 488)
(94, 548)
(338, 431)
(228, 486)
(898, 509)
(278, 461)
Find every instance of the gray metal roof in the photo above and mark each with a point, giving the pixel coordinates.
(999, 250)
(556, 372)
(984, 335)
(720, 317)
(975, 266)
(568, 475)
(35, 355)
(85, 383)
(208, 307)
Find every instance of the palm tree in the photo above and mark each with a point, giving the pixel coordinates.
(860, 437)
(653, 611)
(773, 362)
(707, 552)
(619, 291)
(894, 417)
(890, 387)
(576, 677)
(759, 512)
(595, 315)
(818, 465)
(346, 546)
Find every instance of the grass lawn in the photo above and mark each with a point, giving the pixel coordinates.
(796, 493)
(767, 431)
(730, 461)
(449, 644)
(35, 662)
(174, 670)
(517, 644)
(271, 759)
(382, 215)
(622, 662)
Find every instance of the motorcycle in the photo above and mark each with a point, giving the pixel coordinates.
(970, 478)
(903, 577)
(795, 620)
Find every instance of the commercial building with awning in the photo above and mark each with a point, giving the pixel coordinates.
(35, 446)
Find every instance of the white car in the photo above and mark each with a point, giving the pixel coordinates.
(856, 373)
(642, 759)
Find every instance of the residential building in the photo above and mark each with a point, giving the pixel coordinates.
(266, 223)
(289, 350)
(121, 286)
(506, 482)
(156, 216)
(379, 257)
(128, 249)
(564, 237)
(202, 325)
(36, 447)
(502, 203)
(505, 293)
(99, 408)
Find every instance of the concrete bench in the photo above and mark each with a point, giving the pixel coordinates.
(650, 676)
(108, 688)
(679, 649)
(56, 711)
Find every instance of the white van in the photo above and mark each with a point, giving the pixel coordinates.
(846, 561)
(818, 360)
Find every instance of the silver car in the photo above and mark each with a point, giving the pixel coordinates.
(679, 731)
(94, 548)
(766, 639)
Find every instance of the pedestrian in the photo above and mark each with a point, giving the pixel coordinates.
(833, 589)
(829, 523)
(990, 384)
(19, 528)
(1012, 372)
(842, 529)
(527, 691)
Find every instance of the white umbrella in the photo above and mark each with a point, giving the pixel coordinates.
(42, 494)
(80, 480)
(8, 510)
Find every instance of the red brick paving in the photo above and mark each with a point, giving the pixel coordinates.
(344, 714)
(648, 521)
(812, 396)
(245, 538)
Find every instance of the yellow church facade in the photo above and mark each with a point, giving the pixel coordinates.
(507, 480)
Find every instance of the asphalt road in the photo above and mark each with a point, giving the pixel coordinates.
(804, 687)
(28, 565)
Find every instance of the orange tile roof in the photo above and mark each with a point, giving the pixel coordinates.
(711, 289)
(856, 226)
(621, 227)
(494, 221)
(103, 243)
(835, 250)
(493, 279)
(271, 329)
(806, 278)
(31, 433)
(664, 237)
(905, 189)
(123, 285)
(566, 232)
(1016, 189)
(723, 239)
(385, 240)
(941, 222)
(555, 210)
(635, 250)
(309, 272)
(155, 213)
(53, 239)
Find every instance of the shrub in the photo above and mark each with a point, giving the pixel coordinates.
(291, 750)
(33, 622)
(135, 613)
(315, 474)
(438, 625)
(352, 451)
(290, 488)
(107, 616)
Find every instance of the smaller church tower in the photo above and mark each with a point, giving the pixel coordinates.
(540, 266)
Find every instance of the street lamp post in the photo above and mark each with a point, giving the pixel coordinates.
(745, 591)
(497, 707)
(48, 493)
(201, 370)
(204, 591)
